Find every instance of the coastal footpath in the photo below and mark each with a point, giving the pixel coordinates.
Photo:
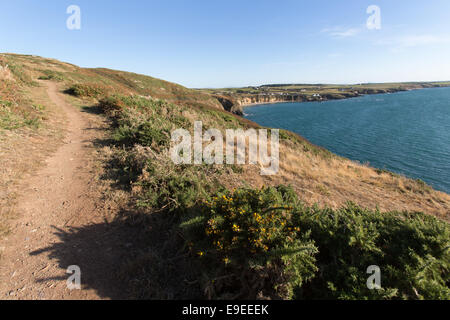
(87, 181)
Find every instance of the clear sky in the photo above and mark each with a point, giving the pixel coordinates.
(214, 43)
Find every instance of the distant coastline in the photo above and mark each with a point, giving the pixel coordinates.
(344, 98)
(236, 99)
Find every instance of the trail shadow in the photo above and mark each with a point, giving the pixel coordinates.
(112, 170)
(140, 257)
(95, 109)
(100, 251)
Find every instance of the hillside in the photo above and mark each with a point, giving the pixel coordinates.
(208, 231)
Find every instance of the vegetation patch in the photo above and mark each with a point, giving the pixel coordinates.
(264, 242)
(86, 90)
(249, 246)
(143, 121)
(198, 239)
(15, 111)
(52, 75)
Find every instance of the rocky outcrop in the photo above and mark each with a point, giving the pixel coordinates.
(230, 104)
(246, 100)
(262, 98)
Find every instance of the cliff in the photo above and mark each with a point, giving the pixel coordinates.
(235, 100)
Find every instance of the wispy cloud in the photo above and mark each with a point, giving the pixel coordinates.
(423, 40)
(334, 55)
(341, 32)
(411, 41)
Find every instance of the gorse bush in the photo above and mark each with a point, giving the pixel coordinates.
(159, 185)
(173, 188)
(265, 243)
(410, 248)
(143, 121)
(52, 75)
(84, 90)
(248, 235)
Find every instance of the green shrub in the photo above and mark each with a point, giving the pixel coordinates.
(86, 90)
(143, 121)
(52, 75)
(410, 248)
(165, 186)
(111, 105)
(248, 236)
(264, 242)
(148, 135)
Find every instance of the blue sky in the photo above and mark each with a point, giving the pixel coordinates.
(212, 43)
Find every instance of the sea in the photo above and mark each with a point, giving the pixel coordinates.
(405, 132)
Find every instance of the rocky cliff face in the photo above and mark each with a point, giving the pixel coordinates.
(257, 99)
(239, 102)
(235, 102)
(246, 100)
(230, 104)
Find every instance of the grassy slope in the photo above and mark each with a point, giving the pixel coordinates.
(143, 126)
(316, 174)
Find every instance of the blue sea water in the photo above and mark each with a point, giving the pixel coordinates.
(404, 132)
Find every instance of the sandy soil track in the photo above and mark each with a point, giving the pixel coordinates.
(60, 223)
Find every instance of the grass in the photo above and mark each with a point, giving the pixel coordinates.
(179, 256)
(246, 250)
(49, 74)
(16, 112)
(304, 165)
(91, 90)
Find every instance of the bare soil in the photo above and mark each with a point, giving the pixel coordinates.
(62, 221)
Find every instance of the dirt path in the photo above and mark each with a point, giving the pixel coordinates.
(60, 223)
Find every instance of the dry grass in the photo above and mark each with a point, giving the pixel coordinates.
(334, 181)
(316, 175)
(328, 180)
